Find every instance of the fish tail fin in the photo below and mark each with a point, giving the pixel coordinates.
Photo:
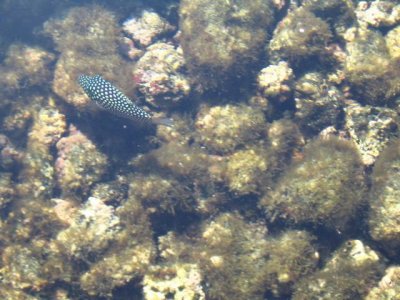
(163, 121)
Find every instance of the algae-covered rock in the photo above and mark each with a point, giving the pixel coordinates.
(233, 258)
(26, 66)
(378, 13)
(129, 253)
(86, 28)
(223, 128)
(236, 259)
(370, 128)
(115, 244)
(37, 176)
(393, 43)
(371, 71)
(7, 193)
(23, 270)
(7, 292)
(87, 38)
(96, 222)
(317, 189)
(339, 14)
(160, 193)
(388, 287)
(146, 28)
(285, 139)
(348, 274)
(292, 256)
(299, 36)
(159, 75)
(178, 281)
(221, 39)
(384, 215)
(28, 262)
(114, 191)
(191, 161)
(276, 81)
(246, 170)
(318, 103)
(79, 163)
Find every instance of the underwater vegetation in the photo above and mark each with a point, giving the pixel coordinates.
(277, 179)
(222, 39)
(318, 188)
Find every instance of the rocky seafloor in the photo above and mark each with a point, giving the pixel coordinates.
(280, 178)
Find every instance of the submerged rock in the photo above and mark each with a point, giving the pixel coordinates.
(79, 163)
(145, 29)
(384, 214)
(351, 270)
(318, 187)
(369, 67)
(300, 36)
(276, 81)
(180, 281)
(87, 38)
(223, 128)
(370, 128)
(221, 39)
(159, 76)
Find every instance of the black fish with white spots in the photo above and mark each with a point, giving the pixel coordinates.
(113, 100)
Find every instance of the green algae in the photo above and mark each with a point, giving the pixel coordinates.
(219, 206)
(317, 189)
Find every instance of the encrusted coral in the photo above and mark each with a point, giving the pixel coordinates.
(388, 287)
(159, 76)
(96, 222)
(370, 128)
(145, 29)
(276, 81)
(37, 177)
(26, 66)
(117, 246)
(179, 281)
(79, 163)
(378, 13)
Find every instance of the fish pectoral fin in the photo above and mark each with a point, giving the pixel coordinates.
(94, 107)
(163, 121)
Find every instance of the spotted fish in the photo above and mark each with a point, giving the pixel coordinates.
(108, 97)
